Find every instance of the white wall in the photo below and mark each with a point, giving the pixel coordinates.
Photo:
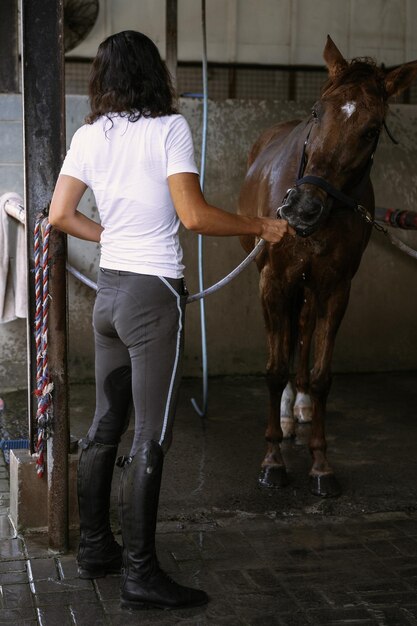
(269, 31)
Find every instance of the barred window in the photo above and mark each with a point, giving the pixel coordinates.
(244, 81)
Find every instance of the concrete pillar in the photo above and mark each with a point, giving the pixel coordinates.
(29, 493)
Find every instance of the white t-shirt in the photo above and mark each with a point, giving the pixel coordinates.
(126, 165)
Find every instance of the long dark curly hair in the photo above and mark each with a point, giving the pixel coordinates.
(129, 77)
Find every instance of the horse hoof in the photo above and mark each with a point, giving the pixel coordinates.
(325, 486)
(273, 477)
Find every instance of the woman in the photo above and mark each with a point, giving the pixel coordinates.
(135, 153)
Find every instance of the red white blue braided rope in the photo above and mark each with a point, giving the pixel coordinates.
(44, 385)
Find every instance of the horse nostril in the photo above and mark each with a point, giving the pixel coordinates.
(302, 210)
(315, 210)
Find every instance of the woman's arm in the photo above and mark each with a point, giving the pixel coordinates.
(196, 214)
(63, 212)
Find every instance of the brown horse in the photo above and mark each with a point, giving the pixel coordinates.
(317, 173)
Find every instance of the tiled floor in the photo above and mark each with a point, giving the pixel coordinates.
(264, 559)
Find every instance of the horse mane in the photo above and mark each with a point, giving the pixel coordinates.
(362, 73)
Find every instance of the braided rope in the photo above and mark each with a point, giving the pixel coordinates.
(43, 384)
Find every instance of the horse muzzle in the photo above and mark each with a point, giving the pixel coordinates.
(305, 213)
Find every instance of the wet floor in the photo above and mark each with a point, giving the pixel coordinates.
(265, 556)
(214, 462)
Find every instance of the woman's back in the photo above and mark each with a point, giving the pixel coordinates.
(126, 165)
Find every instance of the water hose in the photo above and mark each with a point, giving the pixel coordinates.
(406, 220)
(203, 410)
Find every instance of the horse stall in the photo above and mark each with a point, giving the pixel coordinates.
(369, 417)
(219, 457)
(368, 421)
(375, 354)
(218, 478)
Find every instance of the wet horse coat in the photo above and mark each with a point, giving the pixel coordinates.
(317, 171)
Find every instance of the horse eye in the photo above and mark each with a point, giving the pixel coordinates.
(372, 133)
(314, 114)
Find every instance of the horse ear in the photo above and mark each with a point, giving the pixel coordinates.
(334, 59)
(400, 78)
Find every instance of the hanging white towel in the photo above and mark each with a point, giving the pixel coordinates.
(13, 272)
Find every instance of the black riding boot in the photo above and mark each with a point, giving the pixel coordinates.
(98, 553)
(143, 583)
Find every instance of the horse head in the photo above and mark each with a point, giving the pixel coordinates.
(341, 136)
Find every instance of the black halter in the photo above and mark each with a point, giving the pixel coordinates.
(348, 201)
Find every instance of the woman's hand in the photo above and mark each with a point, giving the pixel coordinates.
(273, 230)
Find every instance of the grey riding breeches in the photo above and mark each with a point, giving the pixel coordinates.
(138, 324)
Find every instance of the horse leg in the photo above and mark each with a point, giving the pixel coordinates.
(273, 473)
(303, 409)
(297, 406)
(330, 314)
(287, 412)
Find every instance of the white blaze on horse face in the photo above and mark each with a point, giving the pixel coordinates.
(348, 109)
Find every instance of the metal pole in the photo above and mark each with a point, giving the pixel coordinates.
(9, 57)
(171, 28)
(44, 149)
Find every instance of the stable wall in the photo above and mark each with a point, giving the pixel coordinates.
(379, 329)
(287, 32)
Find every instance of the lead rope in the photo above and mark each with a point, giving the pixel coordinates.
(202, 294)
(196, 296)
(44, 386)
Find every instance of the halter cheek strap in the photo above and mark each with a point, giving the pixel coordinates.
(348, 201)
